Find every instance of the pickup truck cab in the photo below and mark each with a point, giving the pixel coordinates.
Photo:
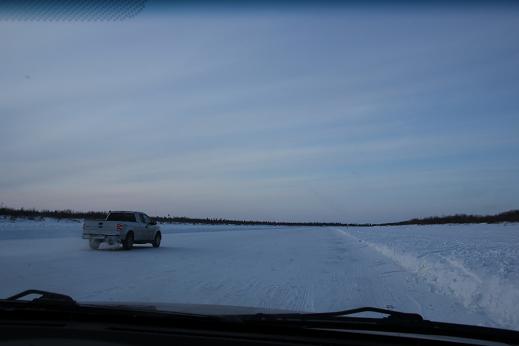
(122, 227)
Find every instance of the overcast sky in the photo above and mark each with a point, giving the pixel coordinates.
(353, 115)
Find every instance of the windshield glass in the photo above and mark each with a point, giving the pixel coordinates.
(310, 157)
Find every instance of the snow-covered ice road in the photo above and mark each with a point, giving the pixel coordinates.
(304, 269)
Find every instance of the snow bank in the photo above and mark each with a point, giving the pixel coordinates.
(476, 264)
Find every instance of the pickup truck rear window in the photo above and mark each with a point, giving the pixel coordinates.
(126, 217)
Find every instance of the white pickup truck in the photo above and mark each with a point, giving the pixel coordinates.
(124, 227)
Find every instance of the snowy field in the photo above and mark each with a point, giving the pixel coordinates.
(463, 273)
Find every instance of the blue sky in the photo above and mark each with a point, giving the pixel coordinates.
(347, 114)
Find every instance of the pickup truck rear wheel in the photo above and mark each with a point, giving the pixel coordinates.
(128, 242)
(156, 240)
(94, 244)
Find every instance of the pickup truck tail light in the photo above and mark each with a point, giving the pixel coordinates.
(119, 227)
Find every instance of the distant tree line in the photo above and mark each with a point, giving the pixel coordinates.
(71, 214)
(508, 216)
(56, 214)
(209, 221)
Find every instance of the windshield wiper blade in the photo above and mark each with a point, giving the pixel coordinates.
(395, 321)
(392, 315)
(44, 297)
(58, 302)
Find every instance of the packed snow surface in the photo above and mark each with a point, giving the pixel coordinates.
(456, 273)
